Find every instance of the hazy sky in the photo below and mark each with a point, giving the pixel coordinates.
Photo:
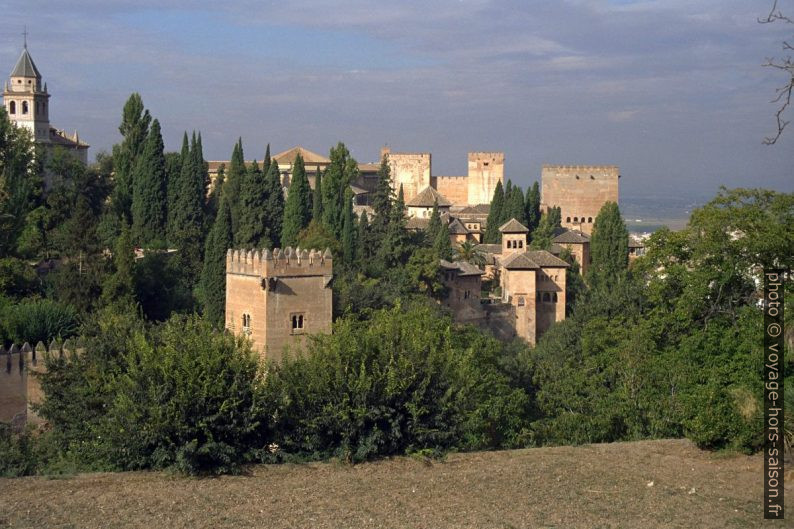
(672, 91)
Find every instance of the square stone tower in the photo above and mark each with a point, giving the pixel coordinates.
(276, 298)
(580, 191)
(485, 170)
(411, 171)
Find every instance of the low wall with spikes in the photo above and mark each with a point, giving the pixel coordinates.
(20, 389)
(279, 262)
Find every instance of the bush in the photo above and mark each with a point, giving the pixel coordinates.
(402, 382)
(38, 320)
(185, 400)
(17, 278)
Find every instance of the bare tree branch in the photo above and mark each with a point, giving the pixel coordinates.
(785, 64)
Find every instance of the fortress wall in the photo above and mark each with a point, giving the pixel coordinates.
(485, 170)
(580, 191)
(455, 188)
(411, 170)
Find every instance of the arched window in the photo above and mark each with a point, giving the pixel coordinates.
(24, 107)
(576, 219)
(12, 107)
(590, 220)
(520, 244)
(546, 296)
(554, 297)
(567, 219)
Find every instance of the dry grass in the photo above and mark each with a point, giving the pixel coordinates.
(590, 486)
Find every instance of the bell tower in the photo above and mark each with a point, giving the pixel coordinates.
(25, 99)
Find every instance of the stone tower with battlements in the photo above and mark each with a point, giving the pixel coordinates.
(485, 170)
(580, 191)
(276, 298)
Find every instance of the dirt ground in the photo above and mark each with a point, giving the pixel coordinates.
(644, 484)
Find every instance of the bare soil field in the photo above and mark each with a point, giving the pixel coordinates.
(648, 484)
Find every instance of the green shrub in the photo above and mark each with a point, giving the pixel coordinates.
(402, 382)
(39, 320)
(184, 400)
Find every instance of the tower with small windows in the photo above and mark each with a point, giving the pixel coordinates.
(26, 100)
(277, 297)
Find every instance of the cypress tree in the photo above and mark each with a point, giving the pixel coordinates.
(541, 237)
(493, 223)
(393, 248)
(297, 212)
(341, 172)
(609, 248)
(434, 225)
(317, 197)
(134, 128)
(514, 205)
(274, 205)
(555, 216)
(252, 230)
(119, 288)
(149, 190)
(213, 273)
(174, 168)
(234, 178)
(383, 197)
(533, 206)
(188, 218)
(348, 230)
(364, 245)
(266, 161)
(442, 243)
(202, 176)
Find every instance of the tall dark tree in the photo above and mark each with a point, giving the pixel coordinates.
(297, 210)
(267, 161)
(434, 225)
(609, 248)
(492, 224)
(174, 163)
(317, 197)
(341, 172)
(366, 245)
(274, 205)
(213, 274)
(253, 229)
(134, 128)
(532, 206)
(394, 249)
(202, 176)
(514, 205)
(187, 230)
(149, 191)
(119, 288)
(348, 230)
(235, 175)
(383, 197)
(442, 243)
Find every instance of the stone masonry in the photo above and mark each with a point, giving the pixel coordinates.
(580, 191)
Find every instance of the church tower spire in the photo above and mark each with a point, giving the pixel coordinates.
(24, 98)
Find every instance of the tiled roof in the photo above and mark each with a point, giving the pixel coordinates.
(532, 260)
(513, 226)
(462, 267)
(25, 66)
(565, 236)
(489, 248)
(417, 223)
(427, 198)
(479, 209)
(457, 228)
(288, 156)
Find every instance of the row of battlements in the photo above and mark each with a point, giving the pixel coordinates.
(581, 167)
(17, 359)
(288, 260)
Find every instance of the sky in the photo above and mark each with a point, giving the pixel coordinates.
(672, 91)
